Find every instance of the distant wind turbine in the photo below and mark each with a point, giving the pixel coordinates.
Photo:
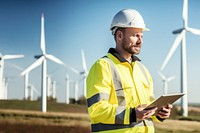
(26, 78)
(84, 72)
(2, 59)
(32, 89)
(41, 60)
(165, 81)
(181, 37)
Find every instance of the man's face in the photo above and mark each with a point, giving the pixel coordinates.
(132, 40)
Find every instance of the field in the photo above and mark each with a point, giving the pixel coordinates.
(25, 117)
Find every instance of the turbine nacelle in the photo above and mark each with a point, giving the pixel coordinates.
(37, 56)
(192, 30)
(178, 31)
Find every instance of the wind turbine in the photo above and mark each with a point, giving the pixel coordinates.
(32, 89)
(181, 37)
(165, 81)
(26, 78)
(2, 59)
(41, 60)
(84, 72)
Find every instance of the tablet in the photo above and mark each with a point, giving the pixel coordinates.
(164, 100)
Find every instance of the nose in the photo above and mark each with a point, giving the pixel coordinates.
(140, 40)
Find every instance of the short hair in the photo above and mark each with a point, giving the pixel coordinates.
(122, 29)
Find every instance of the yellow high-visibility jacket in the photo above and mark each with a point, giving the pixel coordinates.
(114, 88)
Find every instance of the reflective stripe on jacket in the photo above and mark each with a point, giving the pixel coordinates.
(111, 100)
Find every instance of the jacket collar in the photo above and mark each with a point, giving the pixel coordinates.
(120, 58)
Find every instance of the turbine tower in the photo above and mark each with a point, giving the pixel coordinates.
(67, 88)
(84, 72)
(5, 86)
(165, 81)
(76, 91)
(181, 37)
(54, 89)
(41, 60)
(2, 59)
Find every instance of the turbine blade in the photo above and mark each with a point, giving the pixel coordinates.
(172, 50)
(170, 78)
(33, 66)
(194, 31)
(83, 60)
(35, 90)
(73, 69)
(185, 12)
(56, 60)
(16, 66)
(12, 56)
(178, 31)
(42, 41)
(161, 75)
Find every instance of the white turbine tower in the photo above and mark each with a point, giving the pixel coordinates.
(49, 85)
(5, 86)
(2, 59)
(165, 81)
(84, 72)
(76, 91)
(54, 89)
(181, 37)
(67, 88)
(41, 60)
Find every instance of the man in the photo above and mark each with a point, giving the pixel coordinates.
(119, 86)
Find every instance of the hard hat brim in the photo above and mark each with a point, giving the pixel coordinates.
(146, 29)
(115, 29)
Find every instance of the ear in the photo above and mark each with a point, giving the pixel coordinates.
(119, 35)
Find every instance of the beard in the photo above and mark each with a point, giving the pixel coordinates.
(130, 47)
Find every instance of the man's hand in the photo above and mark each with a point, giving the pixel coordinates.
(143, 114)
(165, 112)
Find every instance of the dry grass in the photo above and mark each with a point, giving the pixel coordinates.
(177, 125)
(18, 121)
(21, 121)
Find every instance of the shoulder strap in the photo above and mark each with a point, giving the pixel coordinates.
(143, 71)
(117, 82)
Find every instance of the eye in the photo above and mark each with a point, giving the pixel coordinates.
(137, 35)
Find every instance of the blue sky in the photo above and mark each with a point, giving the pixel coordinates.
(72, 25)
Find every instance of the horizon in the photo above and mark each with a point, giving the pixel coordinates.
(74, 25)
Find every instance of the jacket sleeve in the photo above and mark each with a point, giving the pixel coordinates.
(102, 105)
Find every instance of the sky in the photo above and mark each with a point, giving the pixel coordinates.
(72, 25)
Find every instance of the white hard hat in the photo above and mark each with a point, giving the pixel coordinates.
(127, 18)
